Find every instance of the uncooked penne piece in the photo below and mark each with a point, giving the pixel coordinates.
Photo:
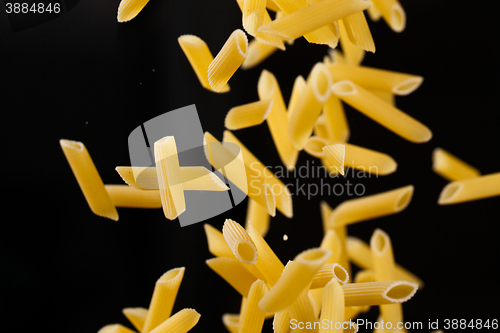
(181, 322)
(374, 13)
(88, 179)
(271, 5)
(328, 272)
(389, 98)
(239, 242)
(194, 178)
(393, 13)
(228, 60)
(301, 310)
(277, 120)
(163, 299)
(136, 316)
(331, 241)
(337, 56)
(298, 88)
(127, 196)
(231, 322)
(115, 328)
(256, 169)
(216, 243)
(253, 15)
(326, 210)
(377, 293)
(335, 154)
(248, 115)
(482, 187)
(252, 317)
(359, 253)
(281, 322)
(358, 31)
(353, 54)
(378, 79)
(258, 217)
(451, 167)
(257, 53)
(385, 114)
(309, 106)
(169, 178)
(128, 9)
(267, 263)
(310, 18)
(332, 309)
(200, 57)
(371, 206)
(294, 280)
(233, 272)
(335, 119)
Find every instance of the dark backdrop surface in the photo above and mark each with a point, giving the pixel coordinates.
(85, 77)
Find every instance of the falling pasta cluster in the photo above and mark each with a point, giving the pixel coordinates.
(317, 286)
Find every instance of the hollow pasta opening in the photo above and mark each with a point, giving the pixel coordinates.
(246, 252)
(344, 88)
(398, 18)
(404, 199)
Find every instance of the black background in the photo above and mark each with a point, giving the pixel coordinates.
(85, 77)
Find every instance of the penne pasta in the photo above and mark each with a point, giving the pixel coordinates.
(252, 317)
(231, 322)
(257, 53)
(128, 9)
(393, 13)
(258, 217)
(248, 115)
(335, 120)
(377, 293)
(331, 242)
(277, 120)
(328, 272)
(294, 280)
(377, 79)
(310, 18)
(309, 105)
(253, 15)
(353, 54)
(326, 210)
(298, 88)
(332, 309)
(358, 31)
(169, 179)
(451, 167)
(239, 242)
(163, 299)
(233, 272)
(482, 187)
(301, 310)
(136, 316)
(115, 328)
(272, 6)
(381, 112)
(88, 179)
(129, 197)
(389, 98)
(336, 154)
(374, 13)
(281, 322)
(181, 322)
(200, 57)
(371, 206)
(228, 60)
(216, 243)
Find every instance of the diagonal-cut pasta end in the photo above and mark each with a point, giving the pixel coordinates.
(340, 273)
(380, 242)
(128, 9)
(336, 154)
(397, 18)
(407, 87)
(344, 88)
(239, 242)
(449, 192)
(231, 322)
(404, 198)
(400, 291)
(251, 23)
(136, 316)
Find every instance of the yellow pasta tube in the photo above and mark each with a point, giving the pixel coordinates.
(257, 53)
(248, 115)
(253, 15)
(271, 5)
(239, 242)
(358, 31)
(381, 112)
(389, 98)
(258, 217)
(115, 328)
(326, 210)
(294, 280)
(328, 272)
(128, 9)
(169, 178)
(336, 154)
(163, 299)
(331, 241)
(136, 316)
(281, 322)
(301, 310)
(181, 322)
(231, 322)
(298, 88)
(277, 120)
(252, 317)
(393, 14)
(451, 167)
(379, 79)
(267, 263)
(470, 189)
(309, 106)
(88, 179)
(378, 293)
(332, 309)
(310, 18)
(127, 196)
(374, 13)
(233, 272)
(200, 57)
(228, 60)
(372, 206)
(335, 119)
(359, 253)
(353, 54)
(257, 170)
